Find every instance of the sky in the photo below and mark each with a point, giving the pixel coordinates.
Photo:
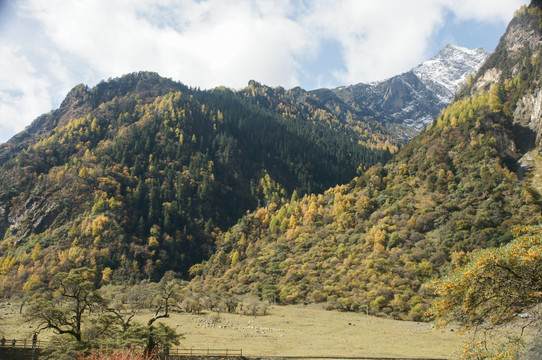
(48, 47)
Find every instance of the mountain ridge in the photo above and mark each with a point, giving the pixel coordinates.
(139, 174)
(408, 102)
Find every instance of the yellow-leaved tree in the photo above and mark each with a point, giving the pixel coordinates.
(493, 288)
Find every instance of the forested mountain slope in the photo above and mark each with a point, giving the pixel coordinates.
(371, 244)
(137, 175)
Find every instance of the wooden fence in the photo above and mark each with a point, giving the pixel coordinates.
(205, 352)
(22, 344)
(335, 357)
(201, 352)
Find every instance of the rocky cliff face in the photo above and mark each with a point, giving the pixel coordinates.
(516, 56)
(529, 112)
(517, 64)
(407, 103)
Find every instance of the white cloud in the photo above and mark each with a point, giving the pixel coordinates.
(485, 10)
(227, 42)
(386, 37)
(211, 43)
(23, 93)
(379, 39)
(208, 43)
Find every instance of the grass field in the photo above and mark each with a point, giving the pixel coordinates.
(292, 331)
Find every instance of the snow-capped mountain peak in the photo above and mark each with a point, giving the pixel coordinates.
(445, 72)
(407, 103)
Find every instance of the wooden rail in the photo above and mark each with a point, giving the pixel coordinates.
(22, 344)
(337, 357)
(239, 352)
(208, 352)
(205, 352)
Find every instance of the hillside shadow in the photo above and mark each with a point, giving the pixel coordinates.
(525, 138)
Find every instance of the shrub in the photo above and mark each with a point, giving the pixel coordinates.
(121, 354)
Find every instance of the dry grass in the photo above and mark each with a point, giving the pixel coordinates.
(293, 331)
(312, 331)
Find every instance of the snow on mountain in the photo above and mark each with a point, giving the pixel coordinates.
(407, 103)
(446, 71)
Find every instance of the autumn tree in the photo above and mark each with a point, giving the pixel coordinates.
(493, 288)
(495, 97)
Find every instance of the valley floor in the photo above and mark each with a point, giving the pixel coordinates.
(312, 331)
(294, 330)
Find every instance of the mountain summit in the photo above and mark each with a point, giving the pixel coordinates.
(445, 72)
(407, 103)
